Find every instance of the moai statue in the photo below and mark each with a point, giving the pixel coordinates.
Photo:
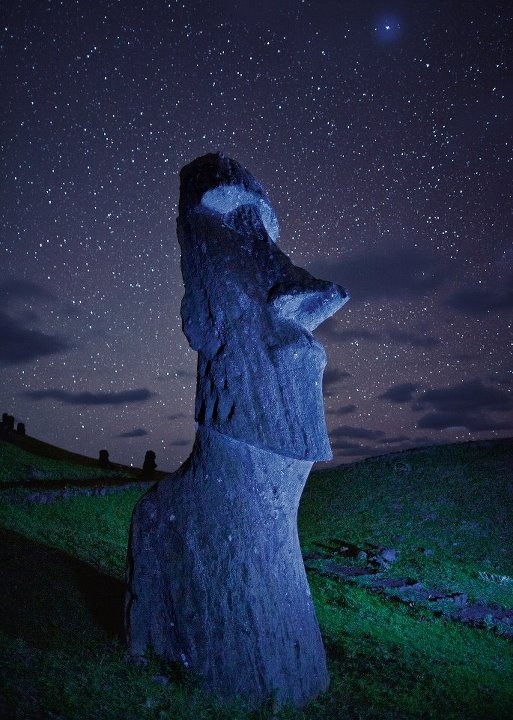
(216, 580)
(20, 428)
(3, 426)
(103, 460)
(149, 465)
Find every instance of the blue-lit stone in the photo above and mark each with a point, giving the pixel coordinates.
(216, 580)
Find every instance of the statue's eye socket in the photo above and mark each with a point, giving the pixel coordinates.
(227, 198)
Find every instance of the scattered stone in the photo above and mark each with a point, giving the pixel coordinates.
(331, 567)
(459, 598)
(160, 679)
(389, 555)
(409, 590)
(21, 494)
(346, 549)
(397, 583)
(313, 556)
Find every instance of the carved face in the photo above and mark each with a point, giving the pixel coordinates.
(249, 313)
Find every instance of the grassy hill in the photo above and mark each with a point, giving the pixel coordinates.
(444, 511)
(43, 449)
(24, 458)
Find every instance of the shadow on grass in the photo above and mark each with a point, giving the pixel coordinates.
(52, 600)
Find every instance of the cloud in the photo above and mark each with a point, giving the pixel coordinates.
(333, 376)
(25, 290)
(397, 439)
(355, 334)
(466, 405)
(397, 272)
(21, 344)
(504, 378)
(358, 433)
(465, 421)
(180, 443)
(402, 393)
(136, 432)
(466, 397)
(177, 416)
(475, 301)
(88, 398)
(355, 450)
(344, 410)
(407, 338)
(403, 337)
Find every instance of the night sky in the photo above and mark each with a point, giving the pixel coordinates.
(383, 133)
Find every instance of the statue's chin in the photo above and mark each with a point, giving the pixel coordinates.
(318, 451)
(321, 453)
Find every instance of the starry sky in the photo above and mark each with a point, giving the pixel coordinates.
(383, 133)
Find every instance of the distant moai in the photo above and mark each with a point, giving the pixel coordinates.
(7, 426)
(149, 465)
(103, 460)
(8, 421)
(20, 428)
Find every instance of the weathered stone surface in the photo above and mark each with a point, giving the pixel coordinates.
(216, 580)
(249, 313)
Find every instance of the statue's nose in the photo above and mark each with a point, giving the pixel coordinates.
(306, 300)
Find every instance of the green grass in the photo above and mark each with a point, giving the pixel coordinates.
(62, 655)
(454, 501)
(19, 465)
(91, 528)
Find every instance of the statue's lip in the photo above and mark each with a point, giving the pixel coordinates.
(304, 342)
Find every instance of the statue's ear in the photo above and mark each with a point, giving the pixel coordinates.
(307, 303)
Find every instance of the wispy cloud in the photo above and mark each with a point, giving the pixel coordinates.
(136, 432)
(19, 288)
(332, 377)
(398, 272)
(410, 338)
(475, 301)
(347, 431)
(88, 398)
(402, 393)
(471, 405)
(21, 344)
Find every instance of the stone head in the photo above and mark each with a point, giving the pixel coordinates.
(249, 313)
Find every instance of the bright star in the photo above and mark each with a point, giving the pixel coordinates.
(388, 29)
